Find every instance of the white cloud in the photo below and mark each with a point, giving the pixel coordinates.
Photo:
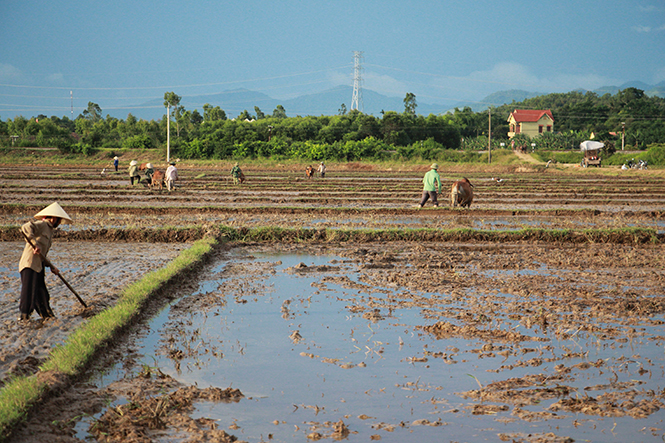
(650, 9)
(55, 78)
(640, 28)
(510, 75)
(385, 84)
(9, 72)
(337, 78)
(648, 29)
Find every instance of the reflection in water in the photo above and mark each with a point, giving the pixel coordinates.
(309, 343)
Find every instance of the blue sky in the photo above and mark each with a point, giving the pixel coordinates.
(123, 53)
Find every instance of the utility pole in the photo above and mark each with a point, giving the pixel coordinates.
(168, 132)
(489, 136)
(71, 95)
(623, 134)
(357, 99)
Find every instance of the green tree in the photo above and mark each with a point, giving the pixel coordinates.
(93, 112)
(279, 112)
(259, 114)
(245, 115)
(196, 118)
(394, 128)
(410, 104)
(171, 99)
(211, 113)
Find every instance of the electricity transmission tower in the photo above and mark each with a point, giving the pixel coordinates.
(357, 99)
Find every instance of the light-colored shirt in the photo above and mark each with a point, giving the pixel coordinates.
(41, 234)
(432, 181)
(171, 173)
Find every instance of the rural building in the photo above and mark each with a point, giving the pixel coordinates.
(530, 122)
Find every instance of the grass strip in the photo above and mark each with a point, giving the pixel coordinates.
(623, 235)
(627, 235)
(160, 234)
(21, 393)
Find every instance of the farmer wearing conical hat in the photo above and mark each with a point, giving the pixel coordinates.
(431, 185)
(149, 170)
(134, 172)
(34, 294)
(116, 161)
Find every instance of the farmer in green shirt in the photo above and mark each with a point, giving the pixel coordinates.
(237, 174)
(431, 185)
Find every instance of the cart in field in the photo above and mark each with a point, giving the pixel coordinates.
(591, 150)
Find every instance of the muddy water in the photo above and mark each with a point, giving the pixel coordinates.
(312, 340)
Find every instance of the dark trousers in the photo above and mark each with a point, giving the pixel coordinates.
(34, 295)
(137, 178)
(427, 195)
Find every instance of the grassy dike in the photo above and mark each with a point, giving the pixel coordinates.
(623, 235)
(66, 361)
(627, 235)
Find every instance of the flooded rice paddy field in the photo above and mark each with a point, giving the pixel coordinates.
(401, 342)
(358, 342)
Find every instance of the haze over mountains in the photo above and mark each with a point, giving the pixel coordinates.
(329, 102)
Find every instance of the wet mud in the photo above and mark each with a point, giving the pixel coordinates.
(554, 341)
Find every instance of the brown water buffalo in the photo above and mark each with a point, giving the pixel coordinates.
(157, 179)
(143, 166)
(461, 193)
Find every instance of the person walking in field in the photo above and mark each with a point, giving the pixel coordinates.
(134, 172)
(170, 176)
(322, 170)
(34, 294)
(116, 162)
(236, 173)
(431, 185)
(149, 170)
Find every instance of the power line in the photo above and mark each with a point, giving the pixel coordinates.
(176, 86)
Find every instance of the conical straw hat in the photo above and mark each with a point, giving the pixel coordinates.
(54, 210)
(133, 163)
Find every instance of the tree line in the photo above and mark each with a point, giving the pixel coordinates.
(347, 135)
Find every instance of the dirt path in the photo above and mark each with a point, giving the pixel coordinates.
(527, 158)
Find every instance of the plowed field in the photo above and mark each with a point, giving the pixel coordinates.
(548, 337)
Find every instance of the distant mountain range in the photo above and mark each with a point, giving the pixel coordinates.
(329, 102)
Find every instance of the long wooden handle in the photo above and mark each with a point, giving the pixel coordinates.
(48, 263)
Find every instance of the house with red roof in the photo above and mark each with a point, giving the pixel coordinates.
(531, 122)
